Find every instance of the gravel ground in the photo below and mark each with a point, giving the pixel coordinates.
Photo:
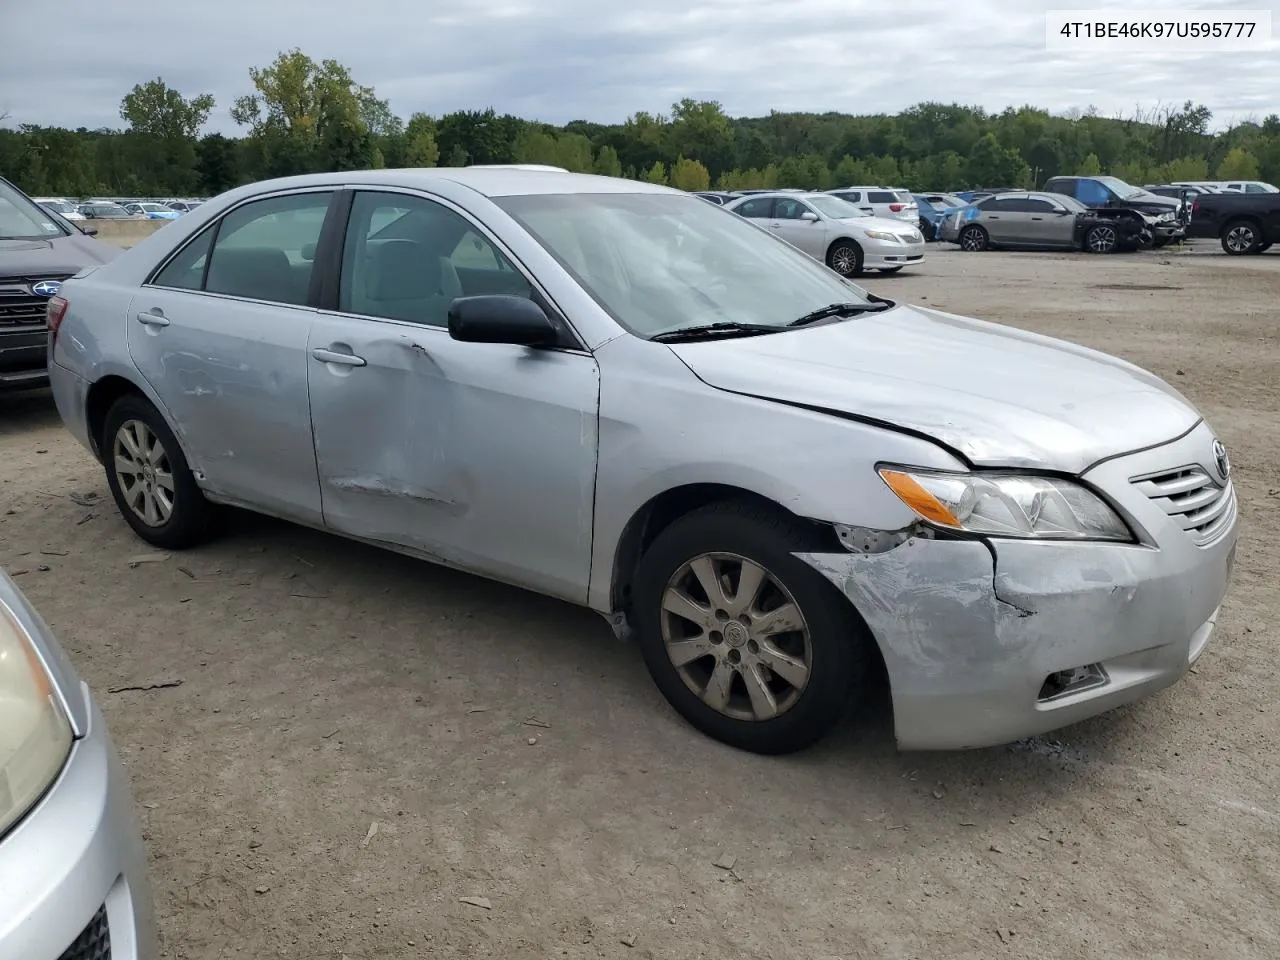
(506, 747)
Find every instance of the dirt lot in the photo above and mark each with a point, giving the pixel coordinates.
(328, 687)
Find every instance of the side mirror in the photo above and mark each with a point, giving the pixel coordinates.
(499, 318)
(810, 216)
(89, 231)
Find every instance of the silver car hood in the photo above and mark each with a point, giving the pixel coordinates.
(997, 395)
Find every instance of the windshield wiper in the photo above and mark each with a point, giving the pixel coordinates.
(875, 305)
(708, 331)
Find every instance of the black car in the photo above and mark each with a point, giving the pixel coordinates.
(1244, 223)
(38, 250)
(1165, 216)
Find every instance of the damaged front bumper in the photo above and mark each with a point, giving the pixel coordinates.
(986, 642)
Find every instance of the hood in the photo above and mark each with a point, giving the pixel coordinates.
(58, 256)
(999, 396)
(887, 224)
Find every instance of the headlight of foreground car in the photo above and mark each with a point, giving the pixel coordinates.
(35, 736)
(1007, 505)
(879, 235)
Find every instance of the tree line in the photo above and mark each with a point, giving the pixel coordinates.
(305, 115)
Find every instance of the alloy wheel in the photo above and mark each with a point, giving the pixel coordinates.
(736, 636)
(144, 473)
(973, 241)
(844, 260)
(1102, 239)
(1240, 238)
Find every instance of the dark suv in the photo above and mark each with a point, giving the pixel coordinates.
(1165, 216)
(38, 250)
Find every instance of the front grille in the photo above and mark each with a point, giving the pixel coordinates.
(1195, 501)
(94, 942)
(19, 307)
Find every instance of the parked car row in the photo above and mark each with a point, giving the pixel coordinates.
(117, 208)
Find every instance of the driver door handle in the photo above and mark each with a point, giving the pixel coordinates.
(332, 356)
(153, 319)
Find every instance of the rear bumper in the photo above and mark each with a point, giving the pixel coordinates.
(23, 358)
(71, 397)
(77, 859)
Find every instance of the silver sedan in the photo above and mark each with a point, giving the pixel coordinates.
(72, 866)
(617, 394)
(834, 231)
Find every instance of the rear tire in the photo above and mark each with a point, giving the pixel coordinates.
(766, 685)
(150, 481)
(845, 258)
(974, 239)
(1240, 238)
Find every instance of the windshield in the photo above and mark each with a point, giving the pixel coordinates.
(58, 206)
(21, 219)
(658, 262)
(834, 207)
(1121, 189)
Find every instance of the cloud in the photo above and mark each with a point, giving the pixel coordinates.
(561, 60)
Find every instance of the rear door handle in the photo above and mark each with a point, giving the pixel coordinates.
(332, 356)
(153, 319)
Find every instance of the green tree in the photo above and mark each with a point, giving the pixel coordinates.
(1184, 168)
(655, 174)
(1238, 164)
(689, 175)
(156, 109)
(421, 149)
(218, 163)
(607, 163)
(573, 152)
(850, 172)
(458, 156)
(993, 165)
(535, 145)
(1090, 167)
(700, 130)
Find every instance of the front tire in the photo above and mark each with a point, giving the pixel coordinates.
(1103, 238)
(750, 644)
(1240, 238)
(149, 478)
(845, 258)
(974, 239)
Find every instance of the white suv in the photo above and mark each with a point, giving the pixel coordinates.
(895, 203)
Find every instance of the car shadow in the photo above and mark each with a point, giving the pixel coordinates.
(22, 410)
(513, 645)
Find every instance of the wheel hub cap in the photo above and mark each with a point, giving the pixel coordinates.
(143, 473)
(736, 636)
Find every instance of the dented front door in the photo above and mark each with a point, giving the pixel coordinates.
(481, 455)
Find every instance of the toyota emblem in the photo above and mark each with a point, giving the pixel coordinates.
(1221, 460)
(45, 288)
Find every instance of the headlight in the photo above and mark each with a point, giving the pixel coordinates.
(35, 736)
(1007, 505)
(879, 235)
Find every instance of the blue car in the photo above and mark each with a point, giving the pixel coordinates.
(152, 211)
(934, 209)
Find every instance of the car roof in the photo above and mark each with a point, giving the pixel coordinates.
(487, 181)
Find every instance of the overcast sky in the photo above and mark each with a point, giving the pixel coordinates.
(68, 62)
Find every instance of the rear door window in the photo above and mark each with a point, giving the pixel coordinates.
(882, 196)
(758, 208)
(265, 249)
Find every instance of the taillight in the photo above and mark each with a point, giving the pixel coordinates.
(896, 207)
(54, 312)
